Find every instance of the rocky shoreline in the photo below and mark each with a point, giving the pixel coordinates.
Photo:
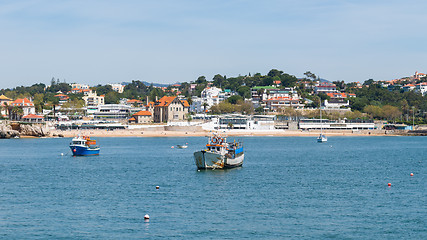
(23, 130)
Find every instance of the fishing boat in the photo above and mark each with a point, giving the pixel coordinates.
(219, 154)
(84, 146)
(321, 138)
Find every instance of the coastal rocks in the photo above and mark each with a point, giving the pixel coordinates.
(33, 130)
(6, 131)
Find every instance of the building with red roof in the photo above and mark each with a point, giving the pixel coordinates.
(32, 118)
(170, 108)
(142, 117)
(26, 106)
(273, 104)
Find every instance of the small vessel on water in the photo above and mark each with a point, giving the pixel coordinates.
(219, 154)
(84, 146)
(181, 146)
(321, 138)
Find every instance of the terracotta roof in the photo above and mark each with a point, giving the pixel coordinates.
(336, 95)
(185, 102)
(150, 104)
(165, 101)
(32, 116)
(22, 102)
(3, 97)
(134, 101)
(142, 113)
(61, 95)
(132, 119)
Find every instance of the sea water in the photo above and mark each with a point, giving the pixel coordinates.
(288, 188)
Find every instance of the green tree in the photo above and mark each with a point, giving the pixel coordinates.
(234, 99)
(112, 98)
(244, 91)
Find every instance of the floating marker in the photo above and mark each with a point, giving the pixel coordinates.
(389, 184)
(412, 174)
(146, 217)
(172, 147)
(157, 187)
(62, 154)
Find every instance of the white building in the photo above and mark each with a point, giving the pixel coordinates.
(209, 96)
(325, 87)
(117, 87)
(92, 101)
(421, 88)
(111, 112)
(79, 86)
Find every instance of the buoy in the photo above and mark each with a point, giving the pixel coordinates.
(172, 147)
(157, 187)
(389, 184)
(412, 174)
(62, 154)
(146, 217)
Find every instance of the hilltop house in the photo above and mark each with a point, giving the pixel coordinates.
(169, 109)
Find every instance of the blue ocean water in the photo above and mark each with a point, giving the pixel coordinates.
(288, 188)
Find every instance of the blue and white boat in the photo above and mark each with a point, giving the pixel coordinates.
(84, 146)
(220, 154)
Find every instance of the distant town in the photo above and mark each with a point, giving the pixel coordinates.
(276, 100)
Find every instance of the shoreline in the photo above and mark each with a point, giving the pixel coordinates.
(231, 133)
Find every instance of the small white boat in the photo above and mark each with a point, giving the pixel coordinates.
(321, 138)
(181, 146)
(219, 154)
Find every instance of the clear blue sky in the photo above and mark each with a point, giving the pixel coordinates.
(167, 41)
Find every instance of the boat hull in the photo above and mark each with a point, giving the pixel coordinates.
(321, 139)
(84, 151)
(210, 160)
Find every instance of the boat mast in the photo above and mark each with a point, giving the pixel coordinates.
(321, 123)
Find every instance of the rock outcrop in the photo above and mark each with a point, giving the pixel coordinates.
(6, 131)
(33, 130)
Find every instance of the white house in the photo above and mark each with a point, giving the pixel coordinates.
(117, 87)
(421, 88)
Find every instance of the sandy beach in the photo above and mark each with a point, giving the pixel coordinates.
(272, 133)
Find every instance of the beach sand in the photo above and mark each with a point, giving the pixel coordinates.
(150, 133)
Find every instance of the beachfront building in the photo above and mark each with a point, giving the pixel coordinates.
(21, 107)
(112, 112)
(32, 118)
(117, 87)
(92, 101)
(170, 109)
(142, 117)
(4, 103)
(234, 121)
(326, 124)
